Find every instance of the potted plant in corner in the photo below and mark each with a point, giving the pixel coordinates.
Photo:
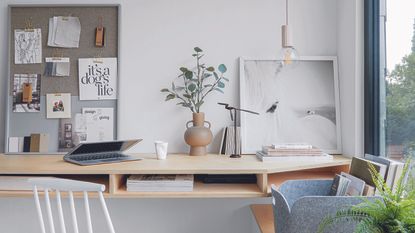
(191, 89)
(393, 213)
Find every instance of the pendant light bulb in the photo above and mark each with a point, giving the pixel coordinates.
(288, 54)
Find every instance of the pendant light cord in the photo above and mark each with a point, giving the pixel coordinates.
(286, 12)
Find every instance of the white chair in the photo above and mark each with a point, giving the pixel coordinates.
(64, 185)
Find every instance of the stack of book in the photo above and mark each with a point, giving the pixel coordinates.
(227, 146)
(34, 143)
(359, 182)
(160, 183)
(292, 152)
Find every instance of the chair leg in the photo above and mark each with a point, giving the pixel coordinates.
(39, 210)
(106, 213)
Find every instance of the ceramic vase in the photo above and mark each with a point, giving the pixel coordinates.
(198, 136)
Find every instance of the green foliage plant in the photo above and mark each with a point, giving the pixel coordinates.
(393, 213)
(197, 83)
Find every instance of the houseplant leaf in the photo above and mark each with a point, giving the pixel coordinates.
(222, 68)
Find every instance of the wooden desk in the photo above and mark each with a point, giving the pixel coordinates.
(264, 217)
(114, 175)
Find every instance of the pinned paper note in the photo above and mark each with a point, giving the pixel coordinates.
(27, 46)
(97, 78)
(57, 67)
(64, 32)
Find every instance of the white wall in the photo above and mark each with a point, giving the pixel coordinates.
(157, 38)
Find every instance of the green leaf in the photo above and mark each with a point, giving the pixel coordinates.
(188, 74)
(226, 79)
(217, 89)
(207, 85)
(206, 75)
(199, 104)
(198, 50)
(173, 87)
(187, 96)
(222, 68)
(179, 88)
(164, 90)
(170, 97)
(216, 75)
(211, 69)
(192, 87)
(183, 69)
(194, 55)
(221, 84)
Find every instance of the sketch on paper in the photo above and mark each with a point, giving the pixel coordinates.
(296, 104)
(27, 46)
(26, 93)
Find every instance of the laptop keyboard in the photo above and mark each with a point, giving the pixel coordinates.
(103, 156)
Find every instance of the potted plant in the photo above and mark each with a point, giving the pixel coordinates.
(191, 89)
(393, 213)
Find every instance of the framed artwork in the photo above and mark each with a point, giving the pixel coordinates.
(26, 93)
(58, 105)
(297, 104)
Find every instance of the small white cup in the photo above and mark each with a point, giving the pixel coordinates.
(161, 149)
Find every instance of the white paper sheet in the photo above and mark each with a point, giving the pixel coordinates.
(99, 124)
(97, 78)
(64, 32)
(27, 46)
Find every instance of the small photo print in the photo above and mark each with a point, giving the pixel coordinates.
(57, 67)
(58, 105)
(26, 93)
(68, 127)
(68, 135)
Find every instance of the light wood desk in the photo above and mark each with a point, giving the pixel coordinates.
(114, 175)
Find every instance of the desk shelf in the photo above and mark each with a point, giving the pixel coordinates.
(113, 176)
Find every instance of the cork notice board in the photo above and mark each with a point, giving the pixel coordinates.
(90, 16)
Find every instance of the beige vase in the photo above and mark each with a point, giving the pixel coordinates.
(198, 136)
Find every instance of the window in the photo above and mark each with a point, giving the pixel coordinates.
(397, 84)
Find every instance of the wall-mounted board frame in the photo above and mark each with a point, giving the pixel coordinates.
(34, 16)
(297, 104)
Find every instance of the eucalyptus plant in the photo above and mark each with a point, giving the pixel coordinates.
(196, 84)
(394, 213)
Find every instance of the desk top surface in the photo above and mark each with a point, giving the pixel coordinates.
(174, 164)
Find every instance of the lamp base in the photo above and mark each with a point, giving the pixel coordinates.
(235, 156)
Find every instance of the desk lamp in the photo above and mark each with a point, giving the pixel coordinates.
(233, 118)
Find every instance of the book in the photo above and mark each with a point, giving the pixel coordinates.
(228, 140)
(368, 190)
(13, 144)
(265, 158)
(160, 183)
(21, 144)
(291, 146)
(392, 167)
(356, 186)
(270, 151)
(39, 142)
(26, 144)
(360, 169)
(339, 186)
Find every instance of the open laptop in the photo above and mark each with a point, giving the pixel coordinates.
(101, 152)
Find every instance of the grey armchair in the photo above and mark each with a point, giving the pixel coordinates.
(300, 205)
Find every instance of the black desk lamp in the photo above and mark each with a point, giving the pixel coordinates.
(233, 118)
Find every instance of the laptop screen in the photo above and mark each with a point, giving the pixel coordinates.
(99, 147)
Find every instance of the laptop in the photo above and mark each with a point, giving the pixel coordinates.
(101, 152)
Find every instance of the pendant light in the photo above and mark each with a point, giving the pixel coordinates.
(288, 54)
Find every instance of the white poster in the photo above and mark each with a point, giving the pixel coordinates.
(99, 124)
(97, 78)
(27, 46)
